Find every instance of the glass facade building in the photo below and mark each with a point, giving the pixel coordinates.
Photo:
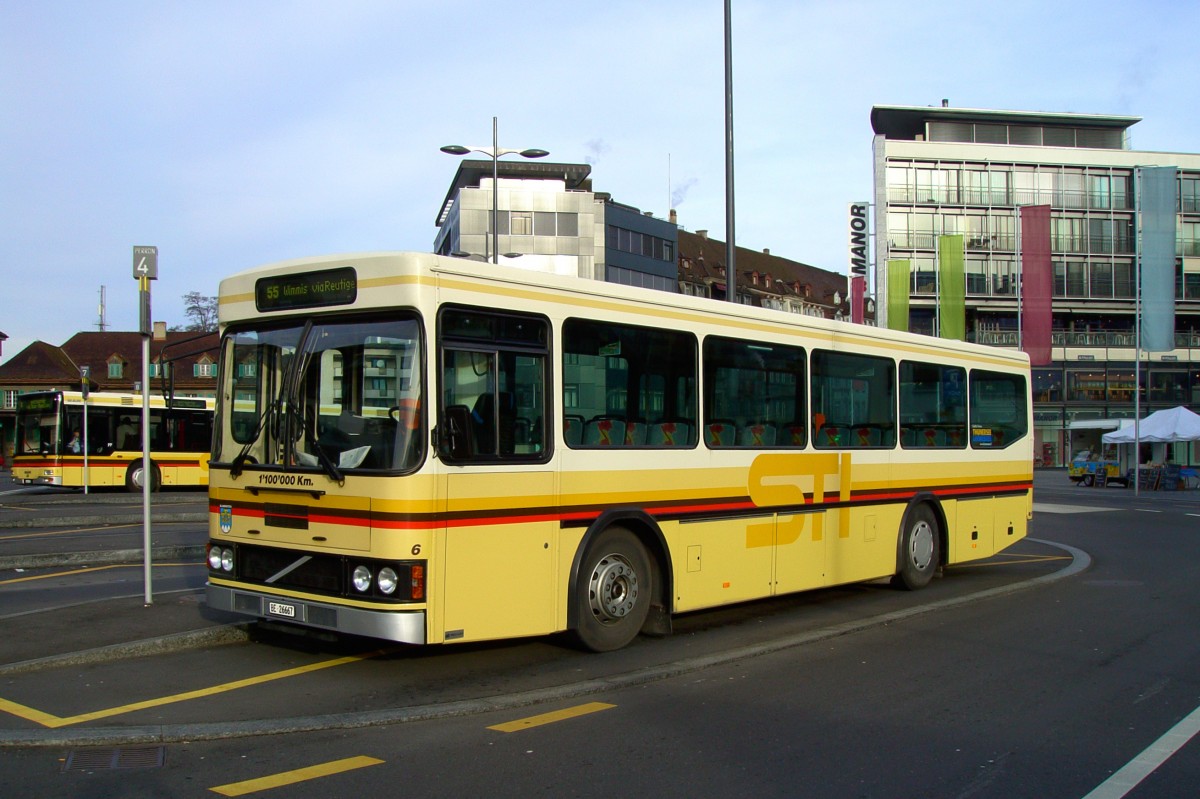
(944, 170)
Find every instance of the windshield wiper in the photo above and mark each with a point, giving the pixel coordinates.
(327, 464)
(235, 468)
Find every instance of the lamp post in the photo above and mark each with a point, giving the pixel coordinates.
(495, 153)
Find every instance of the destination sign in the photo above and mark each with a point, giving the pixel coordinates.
(306, 290)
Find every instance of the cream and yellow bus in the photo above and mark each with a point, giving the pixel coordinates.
(432, 450)
(54, 444)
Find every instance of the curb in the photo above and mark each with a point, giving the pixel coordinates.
(67, 521)
(176, 733)
(54, 560)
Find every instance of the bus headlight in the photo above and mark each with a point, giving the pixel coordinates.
(221, 559)
(387, 580)
(362, 579)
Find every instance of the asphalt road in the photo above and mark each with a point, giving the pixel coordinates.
(967, 689)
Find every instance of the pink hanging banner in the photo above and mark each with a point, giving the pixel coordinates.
(1037, 283)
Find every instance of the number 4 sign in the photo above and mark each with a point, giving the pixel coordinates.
(145, 263)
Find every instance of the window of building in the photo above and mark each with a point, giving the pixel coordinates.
(520, 223)
(115, 370)
(1189, 194)
(1120, 385)
(204, 369)
(1085, 385)
(1168, 386)
(1101, 284)
(545, 223)
(1047, 385)
(10, 398)
(568, 224)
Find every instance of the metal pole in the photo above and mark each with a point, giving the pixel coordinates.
(1137, 334)
(147, 467)
(85, 446)
(1020, 278)
(495, 191)
(730, 243)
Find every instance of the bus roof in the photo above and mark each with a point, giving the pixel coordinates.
(392, 270)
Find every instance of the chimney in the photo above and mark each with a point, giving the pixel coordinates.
(945, 103)
(766, 250)
(702, 234)
(673, 217)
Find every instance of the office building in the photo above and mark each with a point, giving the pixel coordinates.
(944, 170)
(550, 220)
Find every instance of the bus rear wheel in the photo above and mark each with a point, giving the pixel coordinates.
(135, 474)
(920, 549)
(613, 591)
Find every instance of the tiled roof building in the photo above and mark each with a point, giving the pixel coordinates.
(763, 279)
(114, 361)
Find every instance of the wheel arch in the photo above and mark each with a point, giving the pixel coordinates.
(929, 500)
(647, 530)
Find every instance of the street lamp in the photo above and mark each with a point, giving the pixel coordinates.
(495, 153)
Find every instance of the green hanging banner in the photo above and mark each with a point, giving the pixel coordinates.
(952, 288)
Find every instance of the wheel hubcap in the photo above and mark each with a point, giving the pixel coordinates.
(613, 589)
(921, 545)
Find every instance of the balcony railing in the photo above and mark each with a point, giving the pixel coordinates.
(1099, 339)
(1056, 198)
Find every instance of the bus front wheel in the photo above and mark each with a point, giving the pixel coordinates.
(135, 474)
(613, 591)
(920, 549)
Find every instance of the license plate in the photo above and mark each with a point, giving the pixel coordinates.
(281, 609)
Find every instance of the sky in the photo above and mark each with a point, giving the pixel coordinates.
(234, 134)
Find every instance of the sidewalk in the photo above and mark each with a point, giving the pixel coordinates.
(113, 630)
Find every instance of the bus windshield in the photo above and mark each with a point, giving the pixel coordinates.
(37, 425)
(331, 396)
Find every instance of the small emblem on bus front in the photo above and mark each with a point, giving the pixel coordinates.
(226, 518)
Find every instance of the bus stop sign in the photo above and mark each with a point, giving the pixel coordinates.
(145, 263)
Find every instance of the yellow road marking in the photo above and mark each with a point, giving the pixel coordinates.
(550, 718)
(1024, 559)
(295, 776)
(87, 570)
(54, 722)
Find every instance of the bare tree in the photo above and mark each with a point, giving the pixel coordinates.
(201, 312)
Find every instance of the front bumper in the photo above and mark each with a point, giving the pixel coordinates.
(405, 626)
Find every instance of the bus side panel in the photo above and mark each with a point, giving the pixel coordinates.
(719, 562)
(498, 559)
(970, 522)
(801, 548)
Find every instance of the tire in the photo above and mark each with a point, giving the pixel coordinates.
(920, 549)
(133, 477)
(613, 591)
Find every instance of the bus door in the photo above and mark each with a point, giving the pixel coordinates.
(801, 483)
(497, 491)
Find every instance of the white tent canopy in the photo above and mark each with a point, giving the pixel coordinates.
(1174, 424)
